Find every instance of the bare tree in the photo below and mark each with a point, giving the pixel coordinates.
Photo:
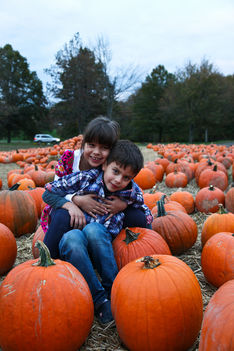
(121, 83)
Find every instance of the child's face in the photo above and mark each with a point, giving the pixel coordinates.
(116, 177)
(95, 154)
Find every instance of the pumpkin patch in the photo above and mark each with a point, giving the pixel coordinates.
(194, 156)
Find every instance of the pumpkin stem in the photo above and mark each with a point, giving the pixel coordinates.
(161, 209)
(14, 187)
(45, 259)
(211, 187)
(150, 262)
(130, 236)
(221, 209)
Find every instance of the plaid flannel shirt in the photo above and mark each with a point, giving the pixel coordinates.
(91, 182)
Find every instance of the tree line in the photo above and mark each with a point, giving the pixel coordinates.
(193, 104)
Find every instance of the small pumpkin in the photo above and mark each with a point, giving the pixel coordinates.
(132, 243)
(156, 302)
(185, 198)
(145, 178)
(221, 221)
(39, 235)
(208, 199)
(176, 179)
(8, 249)
(176, 227)
(56, 303)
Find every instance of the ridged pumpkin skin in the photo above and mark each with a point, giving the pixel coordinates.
(39, 235)
(217, 258)
(157, 308)
(229, 199)
(185, 198)
(145, 178)
(218, 323)
(18, 212)
(208, 199)
(132, 243)
(44, 308)
(8, 249)
(220, 221)
(176, 180)
(177, 228)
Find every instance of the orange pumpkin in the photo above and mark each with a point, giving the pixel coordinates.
(18, 212)
(185, 198)
(39, 235)
(156, 302)
(132, 243)
(213, 176)
(217, 258)
(208, 199)
(145, 178)
(218, 322)
(8, 249)
(176, 227)
(176, 180)
(229, 199)
(57, 304)
(221, 221)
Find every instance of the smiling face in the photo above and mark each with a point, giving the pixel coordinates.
(95, 154)
(117, 177)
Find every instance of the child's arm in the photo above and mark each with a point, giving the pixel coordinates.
(77, 217)
(114, 205)
(89, 204)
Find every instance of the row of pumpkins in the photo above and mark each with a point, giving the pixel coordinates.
(148, 315)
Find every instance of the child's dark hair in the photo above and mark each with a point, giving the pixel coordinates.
(101, 130)
(126, 153)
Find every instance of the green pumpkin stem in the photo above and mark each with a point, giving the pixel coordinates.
(161, 209)
(45, 259)
(130, 236)
(221, 209)
(14, 187)
(150, 262)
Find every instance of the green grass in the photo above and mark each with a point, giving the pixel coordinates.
(19, 144)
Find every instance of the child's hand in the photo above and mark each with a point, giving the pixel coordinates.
(89, 204)
(77, 217)
(114, 205)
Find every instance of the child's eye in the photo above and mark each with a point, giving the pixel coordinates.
(105, 147)
(115, 171)
(126, 178)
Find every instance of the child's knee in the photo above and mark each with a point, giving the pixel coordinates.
(94, 231)
(70, 239)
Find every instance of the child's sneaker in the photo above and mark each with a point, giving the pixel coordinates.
(103, 312)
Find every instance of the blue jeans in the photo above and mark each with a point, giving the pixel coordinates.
(90, 249)
(60, 224)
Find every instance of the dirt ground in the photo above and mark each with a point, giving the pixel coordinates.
(107, 338)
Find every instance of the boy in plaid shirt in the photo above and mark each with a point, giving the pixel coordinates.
(90, 248)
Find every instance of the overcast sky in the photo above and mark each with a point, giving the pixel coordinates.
(142, 33)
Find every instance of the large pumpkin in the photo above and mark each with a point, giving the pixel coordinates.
(132, 243)
(185, 198)
(217, 258)
(156, 302)
(18, 211)
(8, 249)
(218, 323)
(229, 199)
(45, 305)
(176, 227)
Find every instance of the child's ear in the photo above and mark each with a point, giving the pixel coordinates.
(104, 165)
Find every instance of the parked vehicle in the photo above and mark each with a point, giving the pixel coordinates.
(45, 138)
